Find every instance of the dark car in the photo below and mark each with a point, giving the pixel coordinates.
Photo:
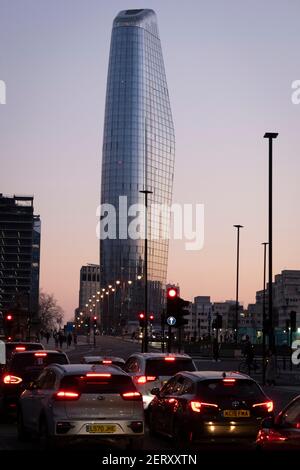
(23, 368)
(209, 406)
(104, 360)
(281, 432)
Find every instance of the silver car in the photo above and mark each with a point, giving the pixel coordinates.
(152, 370)
(84, 401)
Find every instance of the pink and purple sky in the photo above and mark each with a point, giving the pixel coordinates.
(230, 66)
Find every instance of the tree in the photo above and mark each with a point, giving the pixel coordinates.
(50, 313)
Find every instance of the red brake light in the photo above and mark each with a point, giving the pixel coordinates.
(268, 404)
(65, 395)
(95, 374)
(106, 361)
(269, 435)
(40, 354)
(197, 405)
(20, 348)
(11, 379)
(229, 381)
(131, 396)
(143, 379)
(169, 358)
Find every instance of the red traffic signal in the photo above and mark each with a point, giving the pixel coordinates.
(9, 317)
(151, 317)
(95, 318)
(172, 293)
(141, 316)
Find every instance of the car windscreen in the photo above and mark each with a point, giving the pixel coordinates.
(209, 390)
(22, 362)
(163, 367)
(93, 384)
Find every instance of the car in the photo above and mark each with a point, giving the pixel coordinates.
(83, 401)
(206, 406)
(12, 347)
(23, 368)
(104, 360)
(150, 370)
(281, 432)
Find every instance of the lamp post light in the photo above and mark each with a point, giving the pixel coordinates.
(238, 227)
(271, 136)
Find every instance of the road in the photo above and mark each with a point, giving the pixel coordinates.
(123, 348)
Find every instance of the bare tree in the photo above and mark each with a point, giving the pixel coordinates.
(51, 314)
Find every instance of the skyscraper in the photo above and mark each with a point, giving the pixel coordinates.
(138, 154)
(20, 233)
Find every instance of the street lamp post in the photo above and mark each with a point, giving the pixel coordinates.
(146, 192)
(264, 315)
(238, 227)
(270, 136)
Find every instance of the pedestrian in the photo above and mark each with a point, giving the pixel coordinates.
(249, 353)
(69, 340)
(47, 336)
(75, 338)
(271, 368)
(216, 349)
(60, 339)
(55, 336)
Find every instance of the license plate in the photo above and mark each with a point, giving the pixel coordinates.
(236, 414)
(101, 428)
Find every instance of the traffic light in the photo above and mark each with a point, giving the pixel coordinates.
(217, 322)
(151, 318)
(176, 307)
(172, 301)
(87, 322)
(287, 325)
(293, 321)
(182, 312)
(95, 321)
(8, 324)
(142, 319)
(9, 317)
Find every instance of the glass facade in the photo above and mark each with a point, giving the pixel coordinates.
(138, 154)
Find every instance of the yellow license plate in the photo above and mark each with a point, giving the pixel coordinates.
(236, 414)
(101, 428)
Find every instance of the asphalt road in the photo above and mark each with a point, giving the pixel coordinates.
(118, 347)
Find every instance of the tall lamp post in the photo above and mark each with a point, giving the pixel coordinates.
(238, 227)
(264, 315)
(271, 136)
(146, 192)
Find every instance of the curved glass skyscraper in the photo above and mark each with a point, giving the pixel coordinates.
(138, 154)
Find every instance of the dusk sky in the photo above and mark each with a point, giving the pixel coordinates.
(229, 65)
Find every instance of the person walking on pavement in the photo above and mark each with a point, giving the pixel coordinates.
(69, 340)
(249, 353)
(47, 336)
(55, 336)
(271, 368)
(216, 349)
(60, 339)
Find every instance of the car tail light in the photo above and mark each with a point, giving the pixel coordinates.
(66, 395)
(135, 396)
(11, 379)
(197, 405)
(106, 361)
(142, 379)
(40, 354)
(269, 435)
(20, 348)
(229, 381)
(169, 358)
(95, 374)
(267, 404)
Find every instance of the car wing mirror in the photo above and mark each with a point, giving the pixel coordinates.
(268, 423)
(155, 391)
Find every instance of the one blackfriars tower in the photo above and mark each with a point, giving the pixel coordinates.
(138, 154)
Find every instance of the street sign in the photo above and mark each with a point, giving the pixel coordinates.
(171, 321)
(2, 353)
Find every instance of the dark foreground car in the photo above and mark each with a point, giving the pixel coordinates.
(209, 406)
(281, 432)
(23, 368)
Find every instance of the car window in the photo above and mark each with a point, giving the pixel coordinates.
(168, 388)
(49, 380)
(41, 379)
(291, 416)
(132, 365)
(21, 361)
(162, 367)
(187, 387)
(242, 389)
(115, 384)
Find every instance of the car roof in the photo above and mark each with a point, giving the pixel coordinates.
(100, 358)
(157, 355)
(72, 369)
(36, 351)
(215, 375)
(23, 343)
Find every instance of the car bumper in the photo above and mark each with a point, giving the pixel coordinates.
(65, 428)
(226, 431)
